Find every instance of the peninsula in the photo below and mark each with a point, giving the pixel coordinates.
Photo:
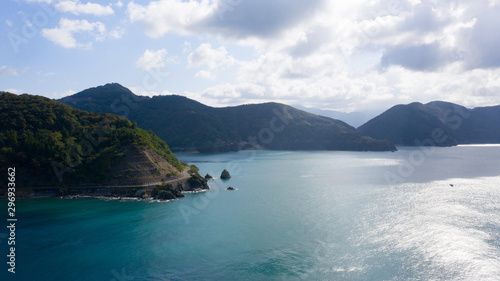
(58, 150)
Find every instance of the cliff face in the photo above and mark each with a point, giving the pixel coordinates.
(145, 167)
(141, 166)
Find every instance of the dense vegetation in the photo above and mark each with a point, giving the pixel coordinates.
(189, 125)
(52, 144)
(435, 123)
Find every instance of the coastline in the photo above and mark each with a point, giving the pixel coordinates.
(23, 194)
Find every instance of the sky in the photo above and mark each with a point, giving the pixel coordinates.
(357, 55)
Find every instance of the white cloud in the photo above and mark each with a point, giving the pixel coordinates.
(9, 23)
(230, 19)
(75, 7)
(116, 33)
(143, 92)
(39, 1)
(356, 55)
(205, 74)
(160, 17)
(210, 57)
(8, 71)
(46, 74)
(13, 91)
(64, 35)
(458, 31)
(63, 94)
(152, 59)
(187, 47)
(324, 80)
(240, 90)
(304, 68)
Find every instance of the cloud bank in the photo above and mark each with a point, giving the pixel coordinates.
(355, 55)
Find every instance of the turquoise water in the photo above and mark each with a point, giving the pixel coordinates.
(295, 216)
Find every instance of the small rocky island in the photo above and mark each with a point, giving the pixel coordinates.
(225, 175)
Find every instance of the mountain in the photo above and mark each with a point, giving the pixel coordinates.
(187, 125)
(53, 145)
(438, 123)
(354, 119)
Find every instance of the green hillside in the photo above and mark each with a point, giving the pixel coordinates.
(414, 123)
(187, 125)
(52, 144)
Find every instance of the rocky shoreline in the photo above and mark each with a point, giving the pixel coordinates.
(30, 194)
(151, 200)
(169, 190)
(164, 192)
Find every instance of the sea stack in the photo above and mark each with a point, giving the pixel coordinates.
(225, 175)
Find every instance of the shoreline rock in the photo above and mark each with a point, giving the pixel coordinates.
(225, 175)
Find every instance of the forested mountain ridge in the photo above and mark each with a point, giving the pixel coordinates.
(52, 144)
(413, 123)
(187, 125)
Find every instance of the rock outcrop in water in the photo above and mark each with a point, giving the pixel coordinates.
(225, 175)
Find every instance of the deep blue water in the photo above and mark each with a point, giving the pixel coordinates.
(295, 216)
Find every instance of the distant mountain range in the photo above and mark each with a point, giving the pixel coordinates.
(354, 119)
(436, 123)
(187, 125)
(53, 145)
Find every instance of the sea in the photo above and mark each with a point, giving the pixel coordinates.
(423, 213)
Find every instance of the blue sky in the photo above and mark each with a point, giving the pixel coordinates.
(356, 55)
